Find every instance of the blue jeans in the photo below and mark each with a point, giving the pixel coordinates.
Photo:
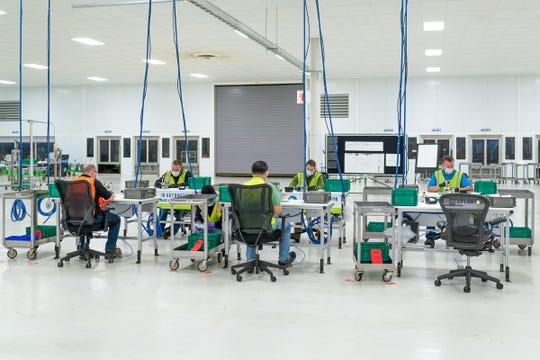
(112, 235)
(178, 215)
(284, 244)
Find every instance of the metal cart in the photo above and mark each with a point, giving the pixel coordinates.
(523, 241)
(182, 251)
(363, 209)
(31, 197)
(375, 230)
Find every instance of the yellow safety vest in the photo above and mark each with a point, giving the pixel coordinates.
(453, 183)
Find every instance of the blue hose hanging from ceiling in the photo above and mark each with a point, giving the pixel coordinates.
(179, 88)
(49, 93)
(20, 91)
(145, 86)
(305, 97)
(402, 99)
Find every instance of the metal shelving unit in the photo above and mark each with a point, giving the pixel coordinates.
(528, 197)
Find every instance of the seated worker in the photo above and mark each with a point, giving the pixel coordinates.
(214, 213)
(314, 178)
(102, 196)
(174, 178)
(259, 171)
(448, 178)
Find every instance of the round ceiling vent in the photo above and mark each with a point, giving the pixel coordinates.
(206, 56)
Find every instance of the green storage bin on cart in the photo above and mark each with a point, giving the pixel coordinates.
(377, 226)
(365, 251)
(520, 232)
(334, 185)
(47, 231)
(224, 194)
(485, 187)
(198, 182)
(53, 191)
(214, 239)
(405, 196)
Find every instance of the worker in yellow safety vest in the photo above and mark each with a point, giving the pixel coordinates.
(314, 180)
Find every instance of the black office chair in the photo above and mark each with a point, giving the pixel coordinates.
(466, 232)
(252, 212)
(78, 211)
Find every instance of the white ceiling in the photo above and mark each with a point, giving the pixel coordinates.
(361, 37)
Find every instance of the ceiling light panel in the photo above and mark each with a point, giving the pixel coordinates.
(433, 52)
(96, 78)
(199, 76)
(36, 66)
(87, 41)
(433, 69)
(154, 61)
(3, 12)
(433, 25)
(7, 82)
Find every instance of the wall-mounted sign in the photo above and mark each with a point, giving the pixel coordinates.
(107, 131)
(485, 130)
(388, 130)
(436, 130)
(146, 131)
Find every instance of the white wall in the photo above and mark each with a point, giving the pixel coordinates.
(508, 105)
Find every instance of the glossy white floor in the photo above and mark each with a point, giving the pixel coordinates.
(126, 310)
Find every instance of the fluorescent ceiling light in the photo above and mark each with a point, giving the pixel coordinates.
(280, 57)
(3, 12)
(241, 33)
(36, 66)
(96, 78)
(7, 82)
(154, 61)
(199, 76)
(433, 69)
(87, 41)
(433, 52)
(433, 25)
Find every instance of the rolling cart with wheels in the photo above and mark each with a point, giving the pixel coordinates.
(372, 255)
(194, 249)
(523, 236)
(48, 233)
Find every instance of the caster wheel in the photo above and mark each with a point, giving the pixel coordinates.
(31, 254)
(61, 264)
(88, 265)
(12, 253)
(285, 272)
(97, 258)
(450, 277)
(67, 260)
(273, 278)
(522, 246)
(387, 277)
(174, 265)
(467, 289)
(219, 257)
(499, 286)
(203, 266)
(358, 276)
(484, 280)
(233, 271)
(239, 278)
(192, 260)
(437, 282)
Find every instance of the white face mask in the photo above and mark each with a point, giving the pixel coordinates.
(175, 173)
(309, 173)
(448, 171)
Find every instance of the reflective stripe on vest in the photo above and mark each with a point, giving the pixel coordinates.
(312, 181)
(168, 178)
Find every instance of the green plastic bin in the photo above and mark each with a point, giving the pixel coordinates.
(405, 196)
(53, 191)
(47, 231)
(377, 226)
(365, 251)
(520, 232)
(334, 185)
(214, 239)
(224, 194)
(198, 182)
(485, 187)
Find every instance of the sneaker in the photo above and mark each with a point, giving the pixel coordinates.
(167, 233)
(287, 263)
(114, 253)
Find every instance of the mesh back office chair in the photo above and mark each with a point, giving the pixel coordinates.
(252, 213)
(465, 231)
(78, 207)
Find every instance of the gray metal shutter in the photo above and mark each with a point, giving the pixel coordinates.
(258, 122)
(9, 110)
